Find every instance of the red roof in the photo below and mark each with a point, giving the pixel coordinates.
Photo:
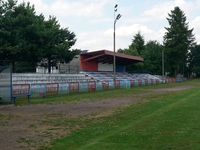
(107, 56)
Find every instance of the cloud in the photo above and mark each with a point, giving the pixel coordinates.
(196, 25)
(82, 8)
(94, 41)
(92, 20)
(158, 13)
(161, 10)
(104, 39)
(124, 34)
(129, 30)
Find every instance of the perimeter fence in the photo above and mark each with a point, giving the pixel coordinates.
(5, 83)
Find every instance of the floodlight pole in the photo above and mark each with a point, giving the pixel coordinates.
(114, 56)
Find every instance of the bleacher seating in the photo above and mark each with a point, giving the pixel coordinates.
(81, 77)
(48, 78)
(108, 76)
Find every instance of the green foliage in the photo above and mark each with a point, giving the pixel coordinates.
(27, 37)
(195, 60)
(196, 70)
(136, 68)
(180, 56)
(178, 40)
(137, 45)
(19, 28)
(27, 67)
(56, 43)
(151, 52)
(153, 57)
(136, 48)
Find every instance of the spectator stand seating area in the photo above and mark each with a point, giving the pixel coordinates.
(41, 85)
(107, 76)
(19, 78)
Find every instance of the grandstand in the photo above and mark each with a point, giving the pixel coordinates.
(92, 66)
(95, 74)
(82, 77)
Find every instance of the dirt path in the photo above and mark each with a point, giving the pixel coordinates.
(26, 127)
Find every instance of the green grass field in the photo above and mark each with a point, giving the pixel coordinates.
(168, 121)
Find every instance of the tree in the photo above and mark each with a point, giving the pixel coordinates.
(57, 42)
(137, 44)
(5, 11)
(19, 33)
(27, 38)
(195, 60)
(153, 57)
(178, 40)
(136, 47)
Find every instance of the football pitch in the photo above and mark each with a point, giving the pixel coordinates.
(152, 117)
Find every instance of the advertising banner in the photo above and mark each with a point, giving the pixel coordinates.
(83, 86)
(99, 86)
(73, 87)
(92, 86)
(139, 82)
(63, 88)
(133, 83)
(117, 84)
(145, 82)
(38, 90)
(105, 85)
(111, 84)
(21, 90)
(125, 84)
(51, 89)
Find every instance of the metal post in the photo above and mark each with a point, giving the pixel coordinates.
(114, 55)
(163, 64)
(11, 84)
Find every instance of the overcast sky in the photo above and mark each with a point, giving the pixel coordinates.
(92, 20)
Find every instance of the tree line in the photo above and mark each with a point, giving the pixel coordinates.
(181, 53)
(28, 39)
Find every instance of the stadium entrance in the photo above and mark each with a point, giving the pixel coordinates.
(5, 83)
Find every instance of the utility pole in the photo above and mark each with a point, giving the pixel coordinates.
(163, 64)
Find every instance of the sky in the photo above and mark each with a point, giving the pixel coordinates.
(92, 20)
